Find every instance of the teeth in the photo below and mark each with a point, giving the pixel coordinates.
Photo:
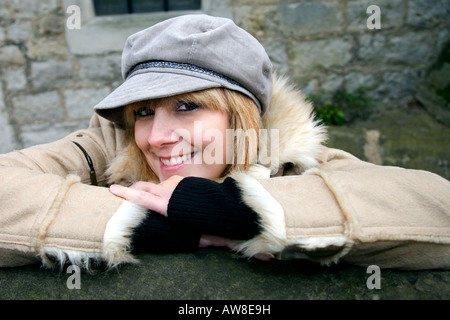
(176, 160)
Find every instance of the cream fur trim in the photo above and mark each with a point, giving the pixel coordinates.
(56, 256)
(116, 242)
(316, 242)
(300, 137)
(272, 238)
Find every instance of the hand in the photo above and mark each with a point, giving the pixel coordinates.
(215, 241)
(149, 195)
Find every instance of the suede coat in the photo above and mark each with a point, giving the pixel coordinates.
(313, 202)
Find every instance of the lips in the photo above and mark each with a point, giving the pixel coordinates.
(173, 161)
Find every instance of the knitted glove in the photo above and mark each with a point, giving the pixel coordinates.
(204, 206)
(156, 234)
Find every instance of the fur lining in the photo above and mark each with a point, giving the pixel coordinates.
(125, 169)
(116, 242)
(56, 256)
(300, 137)
(272, 238)
(323, 242)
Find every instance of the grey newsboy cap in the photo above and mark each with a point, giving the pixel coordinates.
(190, 53)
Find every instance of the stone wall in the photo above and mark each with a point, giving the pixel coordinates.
(52, 75)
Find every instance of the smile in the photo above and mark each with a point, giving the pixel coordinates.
(176, 160)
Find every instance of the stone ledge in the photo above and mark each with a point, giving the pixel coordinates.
(220, 275)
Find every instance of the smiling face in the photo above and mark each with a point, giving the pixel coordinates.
(180, 136)
(187, 135)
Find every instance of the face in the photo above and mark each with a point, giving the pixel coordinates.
(179, 137)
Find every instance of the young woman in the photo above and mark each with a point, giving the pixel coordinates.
(200, 146)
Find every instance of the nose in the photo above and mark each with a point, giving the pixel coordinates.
(163, 129)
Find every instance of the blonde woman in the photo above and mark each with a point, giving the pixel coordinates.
(202, 145)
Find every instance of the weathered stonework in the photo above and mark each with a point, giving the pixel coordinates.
(52, 75)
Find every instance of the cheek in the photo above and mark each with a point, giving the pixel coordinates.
(140, 136)
(214, 138)
(215, 130)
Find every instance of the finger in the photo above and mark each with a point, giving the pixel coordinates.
(156, 189)
(142, 185)
(143, 198)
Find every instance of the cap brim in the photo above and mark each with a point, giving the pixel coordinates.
(153, 85)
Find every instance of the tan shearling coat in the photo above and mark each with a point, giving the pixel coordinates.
(314, 202)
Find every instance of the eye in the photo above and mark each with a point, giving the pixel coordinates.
(186, 106)
(144, 112)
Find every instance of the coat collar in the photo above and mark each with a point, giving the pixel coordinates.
(300, 137)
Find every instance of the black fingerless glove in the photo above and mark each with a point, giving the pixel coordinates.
(204, 206)
(156, 234)
(197, 206)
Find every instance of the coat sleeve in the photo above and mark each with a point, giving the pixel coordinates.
(49, 211)
(349, 210)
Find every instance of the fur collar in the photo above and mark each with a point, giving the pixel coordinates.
(300, 137)
(297, 139)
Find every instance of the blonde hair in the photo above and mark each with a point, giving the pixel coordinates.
(244, 117)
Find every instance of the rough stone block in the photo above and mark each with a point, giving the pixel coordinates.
(396, 88)
(410, 49)
(42, 49)
(256, 22)
(11, 55)
(355, 80)
(4, 12)
(42, 106)
(99, 69)
(427, 13)
(80, 103)
(51, 74)
(2, 34)
(15, 79)
(391, 14)
(311, 17)
(321, 54)
(7, 140)
(31, 8)
(20, 30)
(277, 51)
(40, 133)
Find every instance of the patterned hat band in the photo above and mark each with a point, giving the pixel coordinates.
(180, 66)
